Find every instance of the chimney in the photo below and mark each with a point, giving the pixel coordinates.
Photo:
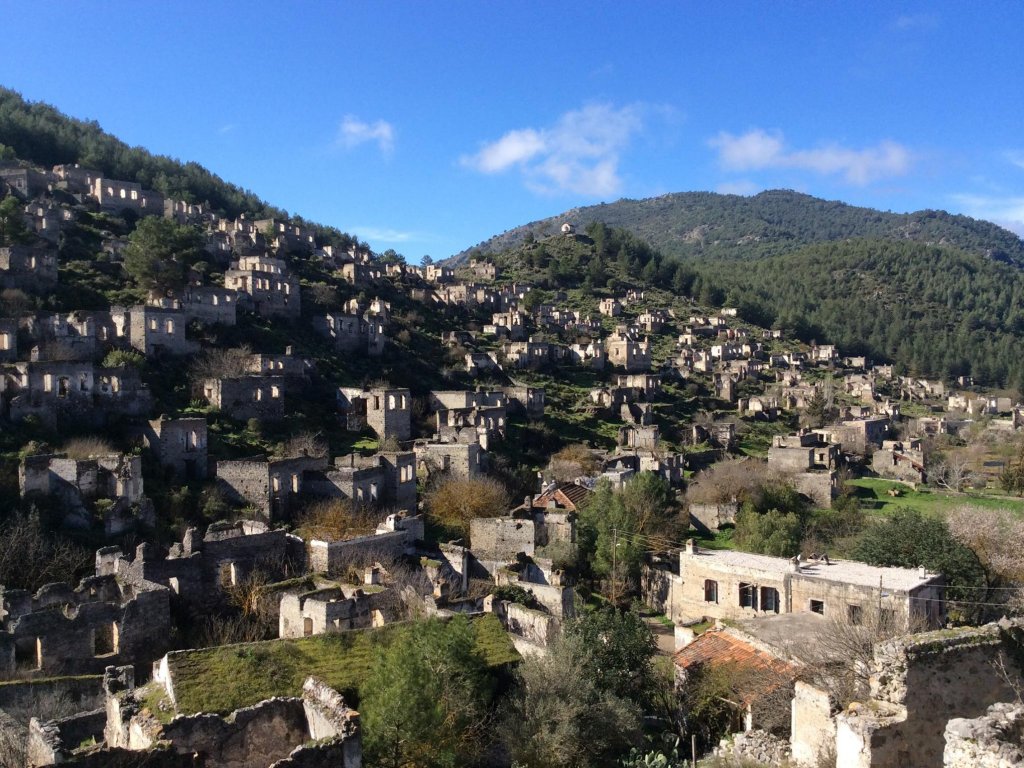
(691, 547)
(794, 564)
(922, 572)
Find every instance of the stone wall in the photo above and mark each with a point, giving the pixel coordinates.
(333, 557)
(501, 538)
(918, 684)
(812, 727)
(995, 740)
(711, 517)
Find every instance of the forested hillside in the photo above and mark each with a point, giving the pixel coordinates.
(933, 310)
(704, 225)
(39, 134)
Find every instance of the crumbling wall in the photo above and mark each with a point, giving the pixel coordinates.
(333, 557)
(995, 740)
(501, 538)
(812, 727)
(918, 684)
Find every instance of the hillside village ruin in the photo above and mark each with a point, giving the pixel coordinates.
(117, 636)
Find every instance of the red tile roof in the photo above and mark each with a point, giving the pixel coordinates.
(761, 672)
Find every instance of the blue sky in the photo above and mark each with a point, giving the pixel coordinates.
(429, 126)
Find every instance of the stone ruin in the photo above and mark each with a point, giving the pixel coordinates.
(316, 730)
(61, 630)
(931, 694)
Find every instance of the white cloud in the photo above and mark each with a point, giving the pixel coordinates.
(384, 235)
(352, 132)
(580, 153)
(915, 21)
(1007, 212)
(760, 150)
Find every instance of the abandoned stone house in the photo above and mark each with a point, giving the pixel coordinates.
(272, 290)
(460, 460)
(295, 369)
(640, 438)
(110, 486)
(627, 351)
(272, 486)
(45, 219)
(387, 411)
(247, 397)
(762, 676)
(900, 460)
(75, 179)
(333, 609)
(510, 325)
(858, 436)
(384, 479)
(525, 401)
(350, 333)
(653, 320)
(81, 630)
(118, 196)
(926, 692)
(208, 304)
(313, 730)
(286, 237)
(609, 307)
(484, 270)
(8, 340)
(27, 267)
(396, 537)
(479, 414)
(734, 585)
(154, 330)
(481, 362)
(59, 392)
(438, 273)
(179, 446)
(640, 414)
(25, 182)
(591, 355)
(531, 354)
(198, 570)
(75, 335)
(670, 467)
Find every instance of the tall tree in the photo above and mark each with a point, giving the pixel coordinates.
(426, 699)
(160, 252)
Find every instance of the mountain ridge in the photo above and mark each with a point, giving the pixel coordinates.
(692, 225)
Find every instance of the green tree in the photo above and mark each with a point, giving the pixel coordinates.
(649, 499)
(610, 540)
(12, 221)
(426, 698)
(160, 252)
(769, 533)
(621, 654)
(909, 539)
(558, 715)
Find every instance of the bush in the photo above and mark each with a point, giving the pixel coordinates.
(455, 502)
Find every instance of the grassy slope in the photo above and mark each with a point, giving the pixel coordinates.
(228, 677)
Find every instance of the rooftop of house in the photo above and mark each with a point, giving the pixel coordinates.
(762, 672)
(839, 571)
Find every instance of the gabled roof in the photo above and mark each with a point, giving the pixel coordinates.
(758, 671)
(567, 496)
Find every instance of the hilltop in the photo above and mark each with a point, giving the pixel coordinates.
(710, 226)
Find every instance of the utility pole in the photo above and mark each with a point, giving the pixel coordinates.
(615, 548)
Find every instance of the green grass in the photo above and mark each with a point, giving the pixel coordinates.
(716, 540)
(228, 677)
(875, 499)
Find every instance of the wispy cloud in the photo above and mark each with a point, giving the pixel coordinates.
(1016, 157)
(759, 150)
(226, 128)
(352, 132)
(1007, 212)
(580, 153)
(385, 235)
(909, 21)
